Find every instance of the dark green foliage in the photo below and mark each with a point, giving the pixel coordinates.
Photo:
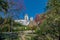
(50, 26)
(9, 36)
(1, 20)
(3, 5)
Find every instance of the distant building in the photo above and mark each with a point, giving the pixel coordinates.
(25, 21)
(30, 22)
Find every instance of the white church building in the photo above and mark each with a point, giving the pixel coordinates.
(25, 21)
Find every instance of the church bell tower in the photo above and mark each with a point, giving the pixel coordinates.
(26, 17)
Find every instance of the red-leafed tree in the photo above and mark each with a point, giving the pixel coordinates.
(38, 19)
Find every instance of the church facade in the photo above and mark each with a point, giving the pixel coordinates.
(25, 21)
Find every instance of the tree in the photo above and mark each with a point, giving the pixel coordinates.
(12, 9)
(53, 16)
(3, 5)
(49, 29)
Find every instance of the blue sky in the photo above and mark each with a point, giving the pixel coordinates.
(34, 7)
